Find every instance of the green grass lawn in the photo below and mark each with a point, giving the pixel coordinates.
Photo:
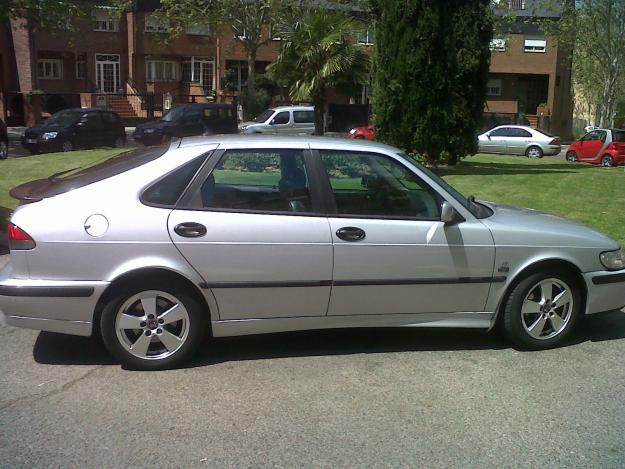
(591, 195)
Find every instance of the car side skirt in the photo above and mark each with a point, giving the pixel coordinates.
(51, 325)
(473, 320)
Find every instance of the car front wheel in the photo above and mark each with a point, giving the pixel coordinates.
(571, 157)
(542, 310)
(607, 161)
(67, 146)
(152, 328)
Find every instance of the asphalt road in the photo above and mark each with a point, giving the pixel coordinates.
(352, 398)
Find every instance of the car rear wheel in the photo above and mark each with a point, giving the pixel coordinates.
(534, 152)
(542, 310)
(607, 161)
(571, 157)
(152, 327)
(67, 146)
(119, 142)
(4, 150)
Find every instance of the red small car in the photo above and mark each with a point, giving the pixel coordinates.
(599, 146)
(367, 133)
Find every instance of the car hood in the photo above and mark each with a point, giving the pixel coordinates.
(514, 226)
(46, 126)
(248, 123)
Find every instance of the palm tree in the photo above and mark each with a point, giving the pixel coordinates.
(319, 53)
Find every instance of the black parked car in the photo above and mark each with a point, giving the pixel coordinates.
(75, 128)
(4, 141)
(189, 119)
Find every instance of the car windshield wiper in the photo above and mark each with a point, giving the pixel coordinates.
(60, 173)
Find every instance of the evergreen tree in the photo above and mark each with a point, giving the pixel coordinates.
(430, 71)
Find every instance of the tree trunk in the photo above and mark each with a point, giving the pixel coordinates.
(250, 101)
(320, 105)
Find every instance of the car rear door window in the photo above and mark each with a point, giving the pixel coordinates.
(258, 181)
(521, 133)
(369, 184)
(303, 117)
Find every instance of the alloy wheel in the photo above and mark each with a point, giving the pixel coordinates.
(534, 152)
(547, 309)
(152, 325)
(607, 161)
(571, 156)
(67, 146)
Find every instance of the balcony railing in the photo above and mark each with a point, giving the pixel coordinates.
(517, 4)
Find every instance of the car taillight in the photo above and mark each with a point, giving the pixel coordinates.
(554, 142)
(19, 240)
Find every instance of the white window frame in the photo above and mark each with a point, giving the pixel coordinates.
(192, 61)
(535, 46)
(367, 38)
(497, 44)
(494, 87)
(156, 24)
(200, 29)
(103, 21)
(151, 66)
(84, 62)
(46, 76)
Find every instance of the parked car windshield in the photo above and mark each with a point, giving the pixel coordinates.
(264, 116)
(477, 209)
(64, 118)
(618, 135)
(173, 115)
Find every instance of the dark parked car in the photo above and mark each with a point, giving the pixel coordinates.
(187, 120)
(4, 141)
(75, 128)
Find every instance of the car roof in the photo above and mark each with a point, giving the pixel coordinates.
(295, 108)
(206, 105)
(515, 126)
(267, 141)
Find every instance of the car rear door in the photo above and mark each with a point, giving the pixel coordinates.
(191, 122)
(392, 254)
(251, 226)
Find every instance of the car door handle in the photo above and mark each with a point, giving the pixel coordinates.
(190, 230)
(350, 233)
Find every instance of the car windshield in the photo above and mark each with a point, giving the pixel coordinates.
(478, 210)
(264, 116)
(173, 115)
(544, 132)
(618, 135)
(64, 118)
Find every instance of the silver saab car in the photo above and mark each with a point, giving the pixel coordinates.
(246, 235)
(519, 140)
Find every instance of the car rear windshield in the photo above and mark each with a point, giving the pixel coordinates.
(71, 179)
(544, 132)
(618, 135)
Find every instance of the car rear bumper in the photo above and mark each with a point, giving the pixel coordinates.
(552, 150)
(606, 291)
(49, 305)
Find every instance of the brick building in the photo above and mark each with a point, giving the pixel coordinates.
(132, 66)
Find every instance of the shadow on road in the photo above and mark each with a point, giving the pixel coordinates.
(60, 349)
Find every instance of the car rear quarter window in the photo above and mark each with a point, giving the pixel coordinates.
(168, 190)
(303, 117)
(618, 135)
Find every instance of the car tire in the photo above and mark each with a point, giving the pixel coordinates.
(67, 146)
(359, 137)
(155, 343)
(166, 138)
(571, 157)
(119, 142)
(4, 150)
(530, 321)
(534, 152)
(607, 161)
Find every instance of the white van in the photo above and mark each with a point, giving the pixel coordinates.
(285, 120)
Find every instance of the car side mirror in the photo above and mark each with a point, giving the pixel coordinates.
(449, 215)
(272, 122)
(488, 135)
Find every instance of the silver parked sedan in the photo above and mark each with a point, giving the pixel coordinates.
(519, 140)
(248, 235)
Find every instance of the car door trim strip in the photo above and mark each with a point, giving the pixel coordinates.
(49, 292)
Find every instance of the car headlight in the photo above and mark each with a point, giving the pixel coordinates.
(49, 135)
(352, 131)
(243, 127)
(613, 260)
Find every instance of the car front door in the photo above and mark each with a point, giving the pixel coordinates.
(495, 141)
(253, 231)
(392, 254)
(591, 145)
(281, 123)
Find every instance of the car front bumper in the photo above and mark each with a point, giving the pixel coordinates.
(49, 305)
(606, 291)
(41, 146)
